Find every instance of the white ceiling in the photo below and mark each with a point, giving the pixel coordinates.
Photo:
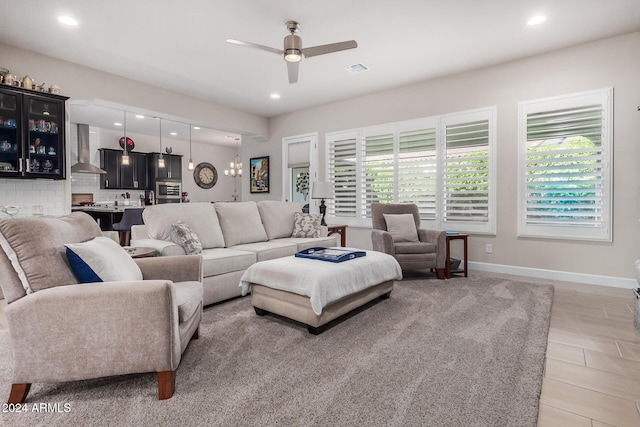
(181, 45)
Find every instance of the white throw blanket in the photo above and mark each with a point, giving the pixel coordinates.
(323, 282)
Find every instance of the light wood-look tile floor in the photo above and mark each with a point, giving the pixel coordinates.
(592, 372)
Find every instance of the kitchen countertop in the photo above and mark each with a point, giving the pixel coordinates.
(109, 209)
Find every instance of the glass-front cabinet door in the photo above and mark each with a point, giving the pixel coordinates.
(10, 140)
(45, 150)
(31, 134)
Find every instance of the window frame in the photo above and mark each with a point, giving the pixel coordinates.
(602, 233)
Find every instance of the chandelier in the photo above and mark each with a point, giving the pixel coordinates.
(235, 166)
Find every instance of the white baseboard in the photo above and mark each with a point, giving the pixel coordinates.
(565, 276)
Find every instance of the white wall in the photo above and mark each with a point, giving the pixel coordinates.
(607, 63)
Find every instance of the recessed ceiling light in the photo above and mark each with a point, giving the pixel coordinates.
(536, 20)
(117, 124)
(174, 133)
(139, 116)
(275, 96)
(196, 128)
(67, 20)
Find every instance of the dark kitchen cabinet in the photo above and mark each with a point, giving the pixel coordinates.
(172, 167)
(110, 162)
(126, 177)
(32, 133)
(134, 176)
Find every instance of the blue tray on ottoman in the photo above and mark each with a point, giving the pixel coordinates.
(330, 254)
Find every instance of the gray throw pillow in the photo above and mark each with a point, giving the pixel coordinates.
(181, 234)
(402, 227)
(306, 225)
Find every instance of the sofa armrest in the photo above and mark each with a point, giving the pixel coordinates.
(183, 268)
(439, 238)
(382, 241)
(139, 231)
(93, 330)
(164, 247)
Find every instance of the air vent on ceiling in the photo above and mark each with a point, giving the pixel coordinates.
(357, 68)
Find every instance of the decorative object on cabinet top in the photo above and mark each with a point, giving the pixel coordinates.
(26, 82)
(130, 144)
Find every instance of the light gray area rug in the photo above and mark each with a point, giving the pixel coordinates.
(459, 352)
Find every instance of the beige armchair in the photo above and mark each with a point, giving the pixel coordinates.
(64, 331)
(427, 250)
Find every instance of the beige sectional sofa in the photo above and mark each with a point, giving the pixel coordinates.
(233, 237)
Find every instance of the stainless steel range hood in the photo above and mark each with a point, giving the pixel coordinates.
(84, 153)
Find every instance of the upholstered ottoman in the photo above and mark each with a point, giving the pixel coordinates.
(315, 292)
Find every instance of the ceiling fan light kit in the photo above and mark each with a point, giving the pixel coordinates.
(293, 52)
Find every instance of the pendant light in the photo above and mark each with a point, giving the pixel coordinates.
(235, 166)
(161, 157)
(125, 153)
(190, 157)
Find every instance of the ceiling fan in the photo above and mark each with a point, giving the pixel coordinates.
(293, 51)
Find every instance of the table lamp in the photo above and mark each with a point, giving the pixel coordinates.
(322, 190)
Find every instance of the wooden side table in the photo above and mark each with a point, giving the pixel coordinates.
(341, 230)
(448, 272)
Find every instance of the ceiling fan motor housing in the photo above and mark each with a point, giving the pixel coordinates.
(293, 48)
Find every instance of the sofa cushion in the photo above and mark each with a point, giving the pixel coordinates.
(101, 260)
(240, 223)
(278, 217)
(189, 298)
(35, 247)
(183, 235)
(269, 250)
(218, 261)
(306, 225)
(402, 227)
(200, 216)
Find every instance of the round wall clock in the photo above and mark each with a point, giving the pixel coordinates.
(205, 175)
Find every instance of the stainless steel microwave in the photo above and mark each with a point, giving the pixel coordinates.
(168, 191)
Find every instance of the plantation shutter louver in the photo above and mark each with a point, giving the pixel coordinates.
(564, 169)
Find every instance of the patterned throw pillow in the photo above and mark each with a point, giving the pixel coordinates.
(306, 225)
(181, 234)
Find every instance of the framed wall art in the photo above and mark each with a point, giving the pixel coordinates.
(259, 178)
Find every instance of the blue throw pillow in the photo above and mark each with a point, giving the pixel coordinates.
(101, 260)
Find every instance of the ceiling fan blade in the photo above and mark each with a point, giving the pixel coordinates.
(328, 48)
(257, 46)
(292, 69)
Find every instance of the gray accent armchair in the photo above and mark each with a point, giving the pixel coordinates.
(67, 331)
(429, 252)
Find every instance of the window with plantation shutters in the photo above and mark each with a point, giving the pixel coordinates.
(378, 170)
(565, 173)
(417, 170)
(442, 164)
(467, 185)
(342, 173)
